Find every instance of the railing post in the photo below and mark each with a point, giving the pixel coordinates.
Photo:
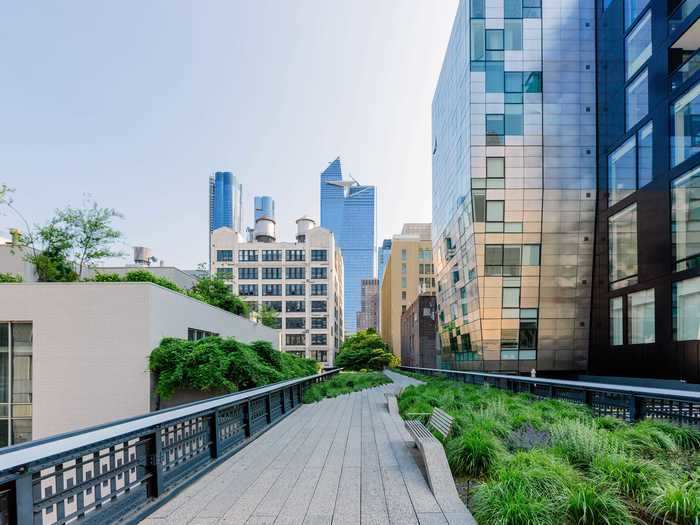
(247, 418)
(24, 500)
(215, 434)
(154, 465)
(268, 408)
(635, 408)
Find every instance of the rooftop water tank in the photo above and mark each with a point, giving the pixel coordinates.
(304, 224)
(265, 230)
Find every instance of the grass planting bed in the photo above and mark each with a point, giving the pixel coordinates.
(523, 461)
(344, 383)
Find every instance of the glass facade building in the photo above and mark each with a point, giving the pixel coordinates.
(383, 253)
(225, 201)
(514, 189)
(349, 210)
(646, 292)
(264, 207)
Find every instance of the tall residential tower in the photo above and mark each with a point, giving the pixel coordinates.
(348, 209)
(225, 201)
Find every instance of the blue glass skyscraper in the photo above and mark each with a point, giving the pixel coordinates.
(349, 210)
(225, 201)
(383, 253)
(264, 207)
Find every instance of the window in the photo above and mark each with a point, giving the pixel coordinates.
(319, 323)
(479, 205)
(494, 211)
(685, 126)
(513, 34)
(248, 290)
(622, 247)
(295, 306)
(318, 306)
(532, 8)
(629, 166)
(514, 119)
(513, 8)
(273, 305)
(532, 82)
(296, 289)
(194, 334)
(319, 339)
(224, 255)
(271, 255)
(511, 298)
(478, 9)
(478, 40)
(295, 339)
(638, 45)
(640, 306)
(685, 220)
(296, 272)
(531, 255)
(296, 255)
(272, 289)
(272, 273)
(404, 282)
(403, 296)
(495, 167)
(16, 372)
(494, 76)
(319, 273)
(224, 273)
(319, 255)
(403, 255)
(686, 310)
(294, 323)
(403, 268)
(616, 321)
(247, 273)
(319, 289)
(247, 255)
(633, 8)
(637, 99)
(495, 130)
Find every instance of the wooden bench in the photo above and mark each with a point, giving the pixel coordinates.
(437, 469)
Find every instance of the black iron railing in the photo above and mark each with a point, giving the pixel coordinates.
(621, 401)
(121, 471)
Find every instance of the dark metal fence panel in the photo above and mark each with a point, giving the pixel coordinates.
(114, 472)
(620, 401)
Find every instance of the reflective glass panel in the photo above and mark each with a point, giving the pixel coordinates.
(645, 154)
(622, 244)
(622, 171)
(616, 321)
(640, 315)
(685, 126)
(637, 99)
(686, 310)
(638, 45)
(685, 217)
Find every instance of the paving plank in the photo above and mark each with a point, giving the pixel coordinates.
(373, 502)
(347, 506)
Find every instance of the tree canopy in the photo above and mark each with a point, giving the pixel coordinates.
(365, 350)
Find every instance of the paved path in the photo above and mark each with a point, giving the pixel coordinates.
(340, 461)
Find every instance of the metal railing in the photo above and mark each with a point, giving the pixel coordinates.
(121, 471)
(685, 70)
(681, 13)
(604, 399)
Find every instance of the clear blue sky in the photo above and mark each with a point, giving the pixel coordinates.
(136, 103)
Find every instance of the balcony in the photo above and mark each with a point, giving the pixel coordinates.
(683, 56)
(681, 13)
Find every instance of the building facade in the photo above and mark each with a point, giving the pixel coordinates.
(368, 317)
(514, 190)
(408, 273)
(419, 333)
(646, 307)
(74, 355)
(302, 281)
(349, 210)
(225, 201)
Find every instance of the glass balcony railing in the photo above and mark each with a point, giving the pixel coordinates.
(685, 70)
(681, 13)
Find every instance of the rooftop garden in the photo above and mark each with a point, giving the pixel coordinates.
(344, 383)
(518, 460)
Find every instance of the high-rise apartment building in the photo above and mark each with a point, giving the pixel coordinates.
(225, 201)
(302, 281)
(264, 207)
(408, 273)
(514, 190)
(646, 288)
(348, 209)
(368, 316)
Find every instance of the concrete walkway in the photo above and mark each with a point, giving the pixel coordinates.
(340, 461)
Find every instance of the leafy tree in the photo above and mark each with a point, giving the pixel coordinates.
(10, 278)
(5, 192)
(72, 240)
(365, 350)
(268, 317)
(216, 292)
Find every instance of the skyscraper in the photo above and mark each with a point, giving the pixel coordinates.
(225, 201)
(264, 207)
(514, 190)
(383, 253)
(348, 209)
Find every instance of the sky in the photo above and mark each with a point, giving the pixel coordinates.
(134, 104)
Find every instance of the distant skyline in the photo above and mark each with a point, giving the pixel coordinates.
(271, 91)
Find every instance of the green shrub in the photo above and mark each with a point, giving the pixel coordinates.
(472, 453)
(591, 505)
(646, 438)
(581, 442)
(495, 503)
(141, 276)
(631, 477)
(365, 350)
(685, 438)
(215, 363)
(344, 383)
(678, 502)
(10, 278)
